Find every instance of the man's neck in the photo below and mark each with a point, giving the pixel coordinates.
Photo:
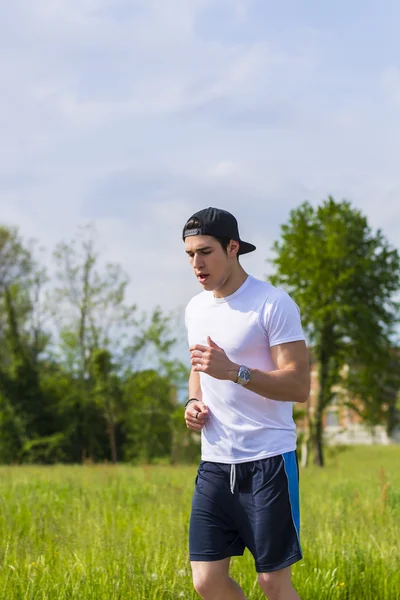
(232, 284)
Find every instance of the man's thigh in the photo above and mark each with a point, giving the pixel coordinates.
(269, 515)
(213, 535)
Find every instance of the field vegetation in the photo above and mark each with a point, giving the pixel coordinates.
(119, 532)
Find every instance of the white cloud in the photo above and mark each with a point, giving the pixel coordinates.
(126, 113)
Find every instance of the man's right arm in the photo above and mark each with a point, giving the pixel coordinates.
(196, 407)
(194, 385)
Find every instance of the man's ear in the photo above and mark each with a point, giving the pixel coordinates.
(233, 248)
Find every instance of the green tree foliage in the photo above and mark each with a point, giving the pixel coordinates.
(107, 391)
(15, 259)
(344, 277)
(186, 444)
(92, 316)
(89, 304)
(24, 410)
(149, 424)
(71, 356)
(103, 347)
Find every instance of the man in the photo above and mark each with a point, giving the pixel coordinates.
(249, 363)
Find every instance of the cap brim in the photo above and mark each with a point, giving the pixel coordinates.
(245, 248)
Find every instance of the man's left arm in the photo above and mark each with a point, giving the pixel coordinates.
(288, 382)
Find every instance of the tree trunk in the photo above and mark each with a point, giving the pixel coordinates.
(324, 355)
(318, 435)
(304, 453)
(306, 443)
(393, 413)
(13, 332)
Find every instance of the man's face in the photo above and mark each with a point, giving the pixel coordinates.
(211, 265)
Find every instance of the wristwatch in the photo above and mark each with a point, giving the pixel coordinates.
(243, 375)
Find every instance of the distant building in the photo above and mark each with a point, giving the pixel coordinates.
(342, 425)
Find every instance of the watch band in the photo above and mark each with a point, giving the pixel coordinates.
(243, 376)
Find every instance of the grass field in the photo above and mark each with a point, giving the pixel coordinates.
(118, 533)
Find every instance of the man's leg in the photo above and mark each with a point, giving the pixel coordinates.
(277, 585)
(268, 521)
(212, 582)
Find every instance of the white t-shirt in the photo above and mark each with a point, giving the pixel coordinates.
(244, 426)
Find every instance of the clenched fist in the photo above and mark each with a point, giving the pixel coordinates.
(196, 414)
(212, 359)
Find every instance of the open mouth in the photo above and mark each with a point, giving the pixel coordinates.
(202, 277)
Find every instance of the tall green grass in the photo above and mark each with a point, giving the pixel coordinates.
(99, 532)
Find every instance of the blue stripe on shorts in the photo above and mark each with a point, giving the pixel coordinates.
(292, 474)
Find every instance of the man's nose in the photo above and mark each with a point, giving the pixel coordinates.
(198, 261)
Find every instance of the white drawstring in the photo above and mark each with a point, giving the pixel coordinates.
(233, 478)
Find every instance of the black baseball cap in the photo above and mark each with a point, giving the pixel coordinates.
(217, 223)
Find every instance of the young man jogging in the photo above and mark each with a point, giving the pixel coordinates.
(249, 363)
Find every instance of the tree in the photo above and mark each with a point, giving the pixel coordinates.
(27, 410)
(15, 259)
(102, 343)
(152, 344)
(92, 316)
(15, 268)
(149, 423)
(89, 303)
(186, 444)
(344, 277)
(19, 379)
(108, 394)
(92, 390)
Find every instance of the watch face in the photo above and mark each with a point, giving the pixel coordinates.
(244, 375)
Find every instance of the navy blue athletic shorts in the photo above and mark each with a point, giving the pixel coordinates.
(254, 505)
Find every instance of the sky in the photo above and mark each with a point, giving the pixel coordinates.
(132, 115)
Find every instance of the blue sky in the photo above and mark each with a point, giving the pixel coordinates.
(133, 115)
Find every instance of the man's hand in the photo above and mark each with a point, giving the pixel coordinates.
(213, 360)
(196, 414)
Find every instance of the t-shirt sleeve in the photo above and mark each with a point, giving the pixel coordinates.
(280, 319)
